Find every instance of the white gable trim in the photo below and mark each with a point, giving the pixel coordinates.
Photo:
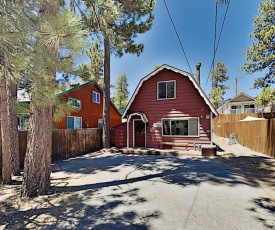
(240, 94)
(205, 98)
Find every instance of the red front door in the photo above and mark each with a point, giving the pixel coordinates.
(139, 127)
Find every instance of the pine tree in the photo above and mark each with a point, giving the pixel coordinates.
(219, 76)
(261, 55)
(117, 23)
(58, 37)
(9, 46)
(40, 39)
(120, 97)
(94, 69)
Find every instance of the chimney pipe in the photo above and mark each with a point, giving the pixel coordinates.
(198, 78)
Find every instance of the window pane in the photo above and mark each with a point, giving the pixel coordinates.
(162, 90)
(100, 123)
(249, 106)
(98, 98)
(78, 122)
(193, 127)
(179, 127)
(93, 96)
(171, 89)
(70, 123)
(165, 127)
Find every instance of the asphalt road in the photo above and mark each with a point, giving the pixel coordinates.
(114, 191)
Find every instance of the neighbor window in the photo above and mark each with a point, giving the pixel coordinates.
(180, 127)
(166, 89)
(95, 97)
(76, 103)
(23, 121)
(74, 122)
(100, 123)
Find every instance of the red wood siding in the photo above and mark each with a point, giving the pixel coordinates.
(188, 103)
(121, 135)
(90, 111)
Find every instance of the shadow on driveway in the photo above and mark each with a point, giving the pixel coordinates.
(86, 206)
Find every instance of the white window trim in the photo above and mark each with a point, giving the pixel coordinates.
(181, 118)
(72, 98)
(74, 122)
(93, 91)
(175, 93)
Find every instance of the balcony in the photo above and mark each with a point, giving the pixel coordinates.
(249, 110)
(235, 111)
(243, 110)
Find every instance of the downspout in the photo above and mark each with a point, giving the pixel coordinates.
(211, 128)
(127, 131)
(145, 133)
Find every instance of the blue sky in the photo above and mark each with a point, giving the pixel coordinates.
(194, 20)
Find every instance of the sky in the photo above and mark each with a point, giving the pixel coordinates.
(194, 21)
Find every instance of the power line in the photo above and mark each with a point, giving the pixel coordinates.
(215, 36)
(177, 36)
(215, 51)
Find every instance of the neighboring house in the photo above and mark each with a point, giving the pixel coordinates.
(168, 105)
(240, 104)
(87, 100)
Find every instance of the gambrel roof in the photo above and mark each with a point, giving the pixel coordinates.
(183, 73)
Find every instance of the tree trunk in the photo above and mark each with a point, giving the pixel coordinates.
(0, 148)
(14, 145)
(5, 134)
(37, 166)
(106, 98)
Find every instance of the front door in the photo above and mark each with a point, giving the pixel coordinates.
(139, 133)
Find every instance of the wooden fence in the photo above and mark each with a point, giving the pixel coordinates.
(68, 143)
(223, 118)
(257, 135)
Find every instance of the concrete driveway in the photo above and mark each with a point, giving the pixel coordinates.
(115, 191)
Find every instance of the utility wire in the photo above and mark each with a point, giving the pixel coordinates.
(177, 35)
(215, 37)
(214, 55)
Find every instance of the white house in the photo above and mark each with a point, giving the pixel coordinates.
(240, 104)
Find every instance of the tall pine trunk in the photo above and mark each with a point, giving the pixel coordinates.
(0, 151)
(106, 98)
(37, 166)
(5, 134)
(14, 144)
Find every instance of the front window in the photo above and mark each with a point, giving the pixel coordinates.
(75, 103)
(95, 97)
(166, 89)
(180, 127)
(74, 122)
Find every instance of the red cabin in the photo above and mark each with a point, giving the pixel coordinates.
(168, 109)
(87, 99)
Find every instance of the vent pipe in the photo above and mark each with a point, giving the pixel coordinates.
(198, 79)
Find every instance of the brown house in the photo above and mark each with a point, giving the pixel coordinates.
(167, 108)
(87, 99)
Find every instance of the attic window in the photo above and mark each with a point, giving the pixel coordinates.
(95, 97)
(166, 90)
